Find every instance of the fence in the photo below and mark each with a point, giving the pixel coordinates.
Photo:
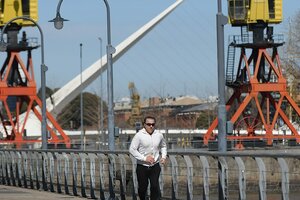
(193, 174)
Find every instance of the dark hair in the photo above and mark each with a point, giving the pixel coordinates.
(149, 117)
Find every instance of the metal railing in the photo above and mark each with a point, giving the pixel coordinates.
(189, 174)
(238, 39)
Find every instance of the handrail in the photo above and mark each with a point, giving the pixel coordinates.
(94, 174)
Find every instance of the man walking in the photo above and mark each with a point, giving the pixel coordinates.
(146, 147)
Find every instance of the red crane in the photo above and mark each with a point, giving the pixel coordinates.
(260, 93)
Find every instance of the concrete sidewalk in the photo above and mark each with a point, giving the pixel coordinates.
(17, 193)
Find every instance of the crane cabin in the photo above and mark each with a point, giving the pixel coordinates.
(247, 12)
(10, 9)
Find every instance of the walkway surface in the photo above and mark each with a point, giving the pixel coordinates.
(17, 193)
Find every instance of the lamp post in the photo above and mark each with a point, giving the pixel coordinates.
(221, 21)
(109, 51)
(101, 95)
(222, 141)
(82, 143)
(44, 68)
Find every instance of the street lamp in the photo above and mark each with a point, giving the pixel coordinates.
(110, 50)
(221, 22)
(82, 144)
(222, 140)
(58, 20)
(44, 68)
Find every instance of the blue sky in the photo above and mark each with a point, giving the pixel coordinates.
(178, 57)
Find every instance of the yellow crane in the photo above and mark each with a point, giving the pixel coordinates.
(259, 88)
(18, 88)
(250, 12)
(135, 118)
(10, 9)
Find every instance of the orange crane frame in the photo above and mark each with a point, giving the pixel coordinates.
(26, 95)
(263, 94)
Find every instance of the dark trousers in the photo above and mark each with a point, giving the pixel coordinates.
(144, 174)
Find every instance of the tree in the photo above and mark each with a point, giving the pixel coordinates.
(69, 117)
(291, 62)
(205, 118)
(49, 93)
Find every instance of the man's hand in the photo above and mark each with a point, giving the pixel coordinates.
(163, 161)
(150, 159)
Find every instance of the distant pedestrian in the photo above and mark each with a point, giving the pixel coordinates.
(146, 146)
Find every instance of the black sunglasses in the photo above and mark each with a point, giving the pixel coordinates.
(150, 124)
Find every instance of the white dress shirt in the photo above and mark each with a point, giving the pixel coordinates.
(144, 144)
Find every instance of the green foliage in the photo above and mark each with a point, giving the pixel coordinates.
(70, 116)
(49, 93)
(205, 119)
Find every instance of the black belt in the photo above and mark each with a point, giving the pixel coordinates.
(150, 166)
